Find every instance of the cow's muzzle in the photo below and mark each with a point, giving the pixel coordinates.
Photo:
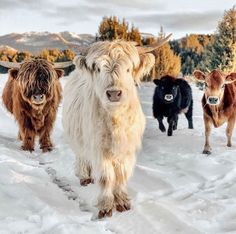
(169, 97)
(38, 99)
(114, 95)
(213, 100)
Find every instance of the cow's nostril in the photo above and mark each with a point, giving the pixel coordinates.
(108, 94)
(119, 93)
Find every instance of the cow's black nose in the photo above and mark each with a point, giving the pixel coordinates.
(114, 95)
(213, 100)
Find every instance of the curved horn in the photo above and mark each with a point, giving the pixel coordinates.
(154, 46)
(10, 64)
(62, 64)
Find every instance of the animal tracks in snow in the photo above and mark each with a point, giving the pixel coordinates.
(61, 183)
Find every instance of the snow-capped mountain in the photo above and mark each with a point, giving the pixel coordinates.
(36, 41)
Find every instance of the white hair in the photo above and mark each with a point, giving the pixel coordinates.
(104, 135)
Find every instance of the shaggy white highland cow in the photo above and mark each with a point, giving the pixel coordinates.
(103, 118)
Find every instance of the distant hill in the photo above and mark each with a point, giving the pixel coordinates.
(34, 42)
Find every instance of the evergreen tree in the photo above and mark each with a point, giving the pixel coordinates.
(167, 62)
(134, 35)
(111, 28)
(221, 53)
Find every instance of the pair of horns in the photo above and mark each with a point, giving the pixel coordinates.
(17, 65)
(84, 51)
(141, 49)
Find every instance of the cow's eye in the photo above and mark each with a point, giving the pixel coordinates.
(223, 86)
(206, 85)
(98, 69)
(128, 70)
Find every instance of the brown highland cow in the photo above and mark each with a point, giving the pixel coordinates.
(32, 94)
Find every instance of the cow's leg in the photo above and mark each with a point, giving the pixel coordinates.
(123, 171)
(161, 125)
(45, 133)
(171, 121)
(45, 141)
(175, 125)
(208, 125)
(107, 182)
(189, 116)
(83, 170)
(229, 130)
(27, 134)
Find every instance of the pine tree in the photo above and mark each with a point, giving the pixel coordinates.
(134, 35)
(167, 63)
(221, 53)
(111, 28)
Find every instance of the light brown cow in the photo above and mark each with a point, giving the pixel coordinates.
(32, 94)
(218, 102)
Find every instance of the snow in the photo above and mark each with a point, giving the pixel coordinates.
(174, 189)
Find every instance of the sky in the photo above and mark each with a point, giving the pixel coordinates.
(179, 17)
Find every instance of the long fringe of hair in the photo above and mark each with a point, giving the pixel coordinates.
(29, 71)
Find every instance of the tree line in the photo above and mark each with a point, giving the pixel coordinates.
(183, 56)
(177, 57)
(51, 55)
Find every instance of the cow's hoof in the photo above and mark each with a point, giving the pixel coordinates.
(85, 182)
(27, 148)
(208, 152)
(190, 127)
(123, 207)
(229, 145)
(163, 129)
(169, 133)
(47, 149)
(104, 213)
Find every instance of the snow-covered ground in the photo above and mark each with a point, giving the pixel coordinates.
(175, 189)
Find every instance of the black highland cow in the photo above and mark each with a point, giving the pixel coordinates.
(172, 96)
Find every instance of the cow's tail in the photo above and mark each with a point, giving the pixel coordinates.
(7, 95)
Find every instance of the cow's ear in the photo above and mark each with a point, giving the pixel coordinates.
(200, 76)
(156, 81)
(80, 61)
(146, 63)
(59, 72)
(179, 81)
(230, 78)
(13, 72)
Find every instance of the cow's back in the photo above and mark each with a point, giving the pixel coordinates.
(7, 95)
(186, 93)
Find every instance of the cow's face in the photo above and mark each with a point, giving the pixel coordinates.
(114, 74)
(215, 83)
(113, 81)
(35, 81)
(167, 88)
